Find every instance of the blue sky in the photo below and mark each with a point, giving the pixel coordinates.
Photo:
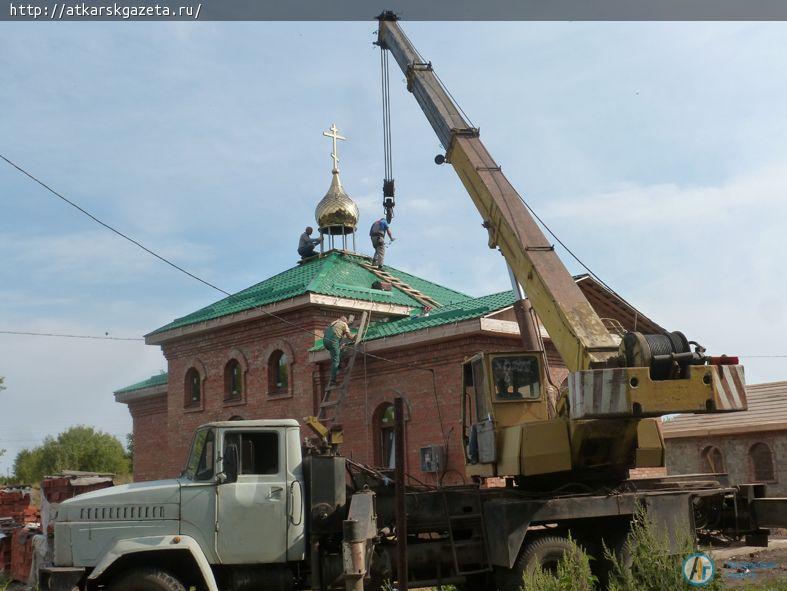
(656, 150)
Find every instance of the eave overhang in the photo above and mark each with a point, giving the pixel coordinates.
(309, 299)
(473, 326)
(141, 394)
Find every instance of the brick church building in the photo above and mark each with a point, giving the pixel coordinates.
(235, 359)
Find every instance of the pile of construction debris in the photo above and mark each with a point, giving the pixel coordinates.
(26, 531)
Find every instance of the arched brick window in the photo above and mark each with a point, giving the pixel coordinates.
(278, 373)
(233, 380)
(761, 463)
(192, 388)
(384, 445)
(713, 459)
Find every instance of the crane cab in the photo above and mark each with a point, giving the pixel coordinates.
(505, 417)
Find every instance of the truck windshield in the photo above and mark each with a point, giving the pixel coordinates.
(201, 459)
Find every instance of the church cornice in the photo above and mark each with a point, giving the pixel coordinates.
(309, 299)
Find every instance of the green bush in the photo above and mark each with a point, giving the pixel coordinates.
(645, 564)
(572, 574)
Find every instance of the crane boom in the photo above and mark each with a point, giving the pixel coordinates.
(575, 328)
(605, 416)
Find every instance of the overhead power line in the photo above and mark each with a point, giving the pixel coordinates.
(111, 228)
(211, 285)
(71, 336)
(184, 271)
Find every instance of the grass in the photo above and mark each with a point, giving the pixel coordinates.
(766, 586)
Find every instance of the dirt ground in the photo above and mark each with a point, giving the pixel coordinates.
(746, 565)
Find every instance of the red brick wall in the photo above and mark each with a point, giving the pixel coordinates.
(150, 437)
(387, 380)
(163, 427)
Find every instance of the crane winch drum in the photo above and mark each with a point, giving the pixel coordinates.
(667, 355)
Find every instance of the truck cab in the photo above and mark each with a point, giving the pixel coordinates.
(239, 502)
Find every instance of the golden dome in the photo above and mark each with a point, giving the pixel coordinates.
(337, 213)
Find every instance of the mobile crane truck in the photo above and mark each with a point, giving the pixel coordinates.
(255, 509)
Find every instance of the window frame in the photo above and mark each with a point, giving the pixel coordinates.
(706, 451)
(189, 403)
(209, 437)
(280, 456)
(753, 467)
(274, 369)
(233, 365)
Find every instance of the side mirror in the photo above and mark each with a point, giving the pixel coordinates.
(229, 464)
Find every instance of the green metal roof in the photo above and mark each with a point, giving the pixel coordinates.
(159, 379)
(335, 274)
(465, 310)
(458, 312)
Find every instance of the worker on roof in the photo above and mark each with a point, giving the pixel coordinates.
(306, 244)
(332, 339)
(377, 233)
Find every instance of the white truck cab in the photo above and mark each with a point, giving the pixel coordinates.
(239, 501)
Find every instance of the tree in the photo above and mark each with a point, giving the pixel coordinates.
(77, 448)
(130, 450)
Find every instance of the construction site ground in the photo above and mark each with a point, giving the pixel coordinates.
(750, 567)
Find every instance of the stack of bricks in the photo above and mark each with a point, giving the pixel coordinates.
(57, 489)
(22, 553)
(16, 546)
(14, 503)
(7, 527)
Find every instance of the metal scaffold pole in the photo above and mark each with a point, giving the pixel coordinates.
(401, 511)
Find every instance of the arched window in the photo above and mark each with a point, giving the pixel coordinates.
(278, 373)
(761, 462)
(233, 380)
(385, 447)
(713, 459)
(193, 388)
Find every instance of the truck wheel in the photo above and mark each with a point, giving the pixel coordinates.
(147, 579)
(542, 552)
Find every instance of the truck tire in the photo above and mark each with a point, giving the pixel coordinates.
(146, 579)
(542, 552)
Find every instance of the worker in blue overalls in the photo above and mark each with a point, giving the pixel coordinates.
(377, 233)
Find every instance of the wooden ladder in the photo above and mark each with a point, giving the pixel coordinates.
(401, 285)
(335, 394)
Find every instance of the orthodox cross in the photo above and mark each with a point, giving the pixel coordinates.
(334, 136)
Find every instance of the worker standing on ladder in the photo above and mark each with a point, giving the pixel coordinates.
(332, 339)
(377, 233)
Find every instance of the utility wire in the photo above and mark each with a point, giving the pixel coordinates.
(193, 276)
(111, 228)
(314, 334)
(70, 336)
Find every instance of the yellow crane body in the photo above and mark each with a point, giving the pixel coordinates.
(604, 417)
